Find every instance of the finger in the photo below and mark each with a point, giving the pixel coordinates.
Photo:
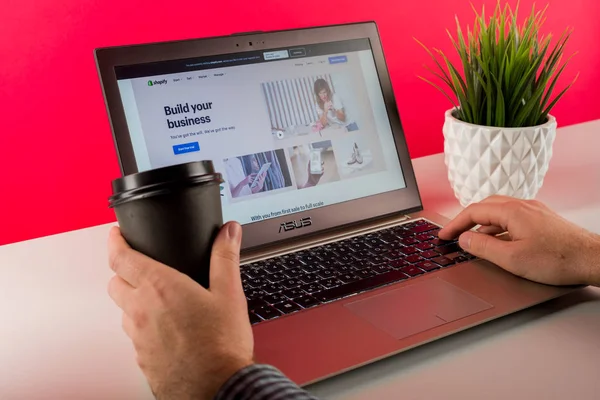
(120, 292)
(485, 214)
(225, 259)
(487, 247)
(132, 266)
(491, 230)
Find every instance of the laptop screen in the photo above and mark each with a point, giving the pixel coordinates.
(290, 129)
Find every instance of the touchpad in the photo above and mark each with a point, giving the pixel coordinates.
(418, 307)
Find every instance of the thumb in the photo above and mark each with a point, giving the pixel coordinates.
(485, 246)
(225, 259)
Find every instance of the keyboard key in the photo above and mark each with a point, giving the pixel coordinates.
(358, 246)
(329, 263)
(424, 237)
(364, 273)
(434, 232)
(415, 258)
(293, 293)
(287, 307)
(398, 229)
(459, 259)
(254, 319)
(379, 250)
(380, 269)
(307, 301)
(276, 277)
(326, 255)
(428, 266)
(294, 272)
(451, 248)
(439, 242)
(267, 312)
(256, 303)
(312, 288)
(423, 228)
(396, 264)
(375, 242)
(363, 254)
(274, 268)
(274, 298)
(347, 278)
(404, 234)
(377, 260)
(330, 282)
(327, 273)
(393, 255)
(272, 288)
(393, 245)
(254, 294)
(291, 283)
(443, 261)
(291, 263)
(307, 258)
(311, 268)
(389, 238)
(252, 273)
(257, 283)
(358, 265)
(343, 269)
(309, 278)
(408, 250)
(409, 241)
(346, 258)
(411, 270)
(430, 254)
(359, 286)
(424, 246)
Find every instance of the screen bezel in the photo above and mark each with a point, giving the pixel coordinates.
(267, 232)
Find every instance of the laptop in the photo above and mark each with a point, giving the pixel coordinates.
(341, 264)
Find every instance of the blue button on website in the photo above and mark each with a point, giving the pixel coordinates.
(338, 59)
(186, 148)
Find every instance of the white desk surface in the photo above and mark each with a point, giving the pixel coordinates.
(61, 337)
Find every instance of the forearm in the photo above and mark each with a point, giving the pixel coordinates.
(593, 260)
(261, 382)
(236, 190)
(323, 119)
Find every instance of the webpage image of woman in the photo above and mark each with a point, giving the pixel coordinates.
(274, 178)
(330, 107)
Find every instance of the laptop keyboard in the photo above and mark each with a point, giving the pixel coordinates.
(305, 279)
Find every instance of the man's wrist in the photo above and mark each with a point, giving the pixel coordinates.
(223, 374)
(592, 260)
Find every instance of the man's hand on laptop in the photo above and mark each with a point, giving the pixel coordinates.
(538, 244)
(189, 340)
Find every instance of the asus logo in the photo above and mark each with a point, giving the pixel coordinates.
(291, 225)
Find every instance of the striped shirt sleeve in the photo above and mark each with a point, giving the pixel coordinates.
(261, 382)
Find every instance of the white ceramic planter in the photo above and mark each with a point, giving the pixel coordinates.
(483, 161)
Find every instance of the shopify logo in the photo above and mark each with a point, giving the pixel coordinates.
(152, 83)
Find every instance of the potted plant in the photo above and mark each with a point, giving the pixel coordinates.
(498, 135)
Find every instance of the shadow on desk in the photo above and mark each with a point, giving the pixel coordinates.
(395, 371)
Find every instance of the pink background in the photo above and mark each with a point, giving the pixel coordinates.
(56, 151)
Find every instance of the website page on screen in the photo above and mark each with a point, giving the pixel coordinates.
(290, 129)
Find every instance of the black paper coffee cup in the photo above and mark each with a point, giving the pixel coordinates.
(172, 215)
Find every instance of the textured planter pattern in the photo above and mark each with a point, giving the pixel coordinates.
(483, 161)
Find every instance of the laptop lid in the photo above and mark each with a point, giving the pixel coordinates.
(302, 124)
